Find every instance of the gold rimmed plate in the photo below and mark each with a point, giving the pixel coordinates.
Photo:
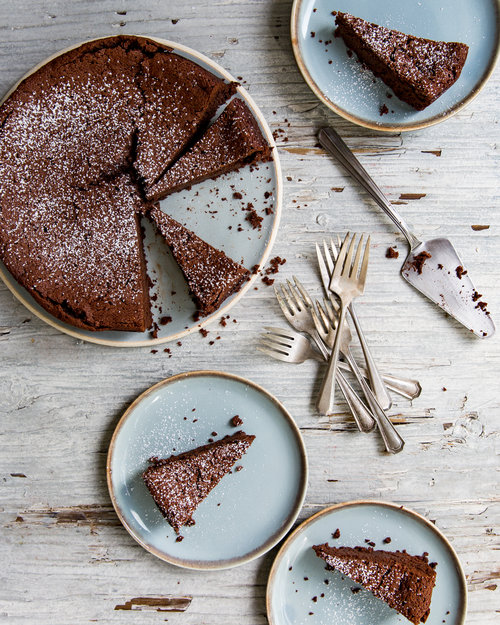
(249, 510)
(299, 589)
(220, 222)
(339, 80)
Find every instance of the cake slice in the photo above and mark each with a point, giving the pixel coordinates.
(403, 581)
(418, 70)
(180, 98)
(180, 483)
(233, 140)
(211, 275)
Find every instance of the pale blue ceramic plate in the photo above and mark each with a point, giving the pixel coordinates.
(340, 82)
(250, 510)
(298, 575)
(208, 209)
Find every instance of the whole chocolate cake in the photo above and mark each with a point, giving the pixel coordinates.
(232, 141)
(81, 141)
(180, 483)
(211, 275)
(418, 70)
(403, 581)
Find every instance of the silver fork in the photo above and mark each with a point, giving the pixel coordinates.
(299, 318)
(346, 284)
(405, 387)
(326, 266)
(297, 349)
(392, 440)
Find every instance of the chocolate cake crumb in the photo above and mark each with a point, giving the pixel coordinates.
(267, 280)
(433, 565)
(214, 433)
(238, 468)
(179, 539)
(313, 34)
(355, 590)
(154, 351)
(387, 540)
(254, 219)
(418, 261)
(460, 271)
(476, 296)
(237, 195)
(274, 265)
(336, 533)
(391, 253)
(383, 110)
(306, 579)
(166, 319)
(203, 332)
(440, 266)
(444, 388)
(315, 599)
(290, 568)
(236, 421)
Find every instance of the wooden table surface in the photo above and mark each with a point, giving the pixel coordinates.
(65, 557)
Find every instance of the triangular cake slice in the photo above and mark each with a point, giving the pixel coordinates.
(180, 483)
(180, 99)
(232, 141)
(211, 275)
(418, 70)
(403, 581)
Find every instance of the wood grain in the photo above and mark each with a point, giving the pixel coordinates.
(66, 559)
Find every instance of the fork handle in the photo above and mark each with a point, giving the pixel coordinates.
(392, 440)
(376, 382)
(327, 391)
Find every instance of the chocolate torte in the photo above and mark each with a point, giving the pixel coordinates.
(180, 483)
(233, 140)
(403, 581)
(211, 275)
(418, 70)
(81, 141)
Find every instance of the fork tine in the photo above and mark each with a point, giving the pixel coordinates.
(286, 295)
(329, 260)
(334, 249)
(337, 271)
(332, 318)
(279, 344)
(319, 324)
(364, 265)
(357, 258)
(303, 292)
(296, 298)
(323, 269)
(279, 332)
(347, 270)
(323, 316)
(273, 353)
(281, 302)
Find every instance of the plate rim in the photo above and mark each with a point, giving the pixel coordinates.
(74, 332)
(364, 502)
(272, 540)
(294, 24)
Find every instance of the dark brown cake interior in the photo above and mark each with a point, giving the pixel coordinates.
(180, 483)
(418, 70)
(403, 581)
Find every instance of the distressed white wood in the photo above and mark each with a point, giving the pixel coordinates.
(65, 558)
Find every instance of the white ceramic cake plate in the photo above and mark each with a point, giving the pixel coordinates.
(300, 591)
(208, 209)
(352, 92)
(249, 510)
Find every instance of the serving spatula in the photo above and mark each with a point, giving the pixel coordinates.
(433, 267)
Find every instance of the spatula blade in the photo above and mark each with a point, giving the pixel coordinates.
(435, 269)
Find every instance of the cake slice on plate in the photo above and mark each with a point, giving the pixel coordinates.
(418, 70)
(403, 581)
(180, 483)
(232, 141)
(211, 275)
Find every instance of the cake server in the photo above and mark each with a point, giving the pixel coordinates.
(433, 267)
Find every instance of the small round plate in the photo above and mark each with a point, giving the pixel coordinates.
(250, 510)
(341, 83)
(301, 591)
(208, 209)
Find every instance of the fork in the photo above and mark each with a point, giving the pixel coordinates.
(299, 318)
(290, 346)
(326, 266)
(392, 440)
(298, 349)
(347, 285)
